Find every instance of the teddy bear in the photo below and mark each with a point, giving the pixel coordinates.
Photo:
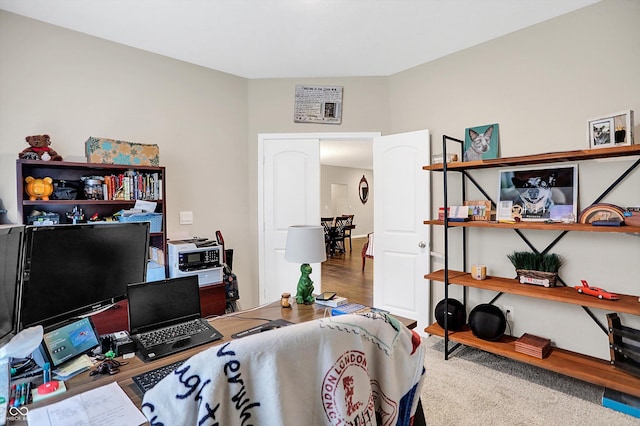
(39, 149)
(37, 188)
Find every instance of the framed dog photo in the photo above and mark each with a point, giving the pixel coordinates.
(480, 143)
(543, 194)
(610, 131)
(601, 133)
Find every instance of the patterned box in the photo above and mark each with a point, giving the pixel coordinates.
(111, 151)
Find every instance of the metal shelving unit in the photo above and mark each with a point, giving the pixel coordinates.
(566, 362)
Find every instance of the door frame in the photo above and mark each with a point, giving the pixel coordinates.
(264, 138)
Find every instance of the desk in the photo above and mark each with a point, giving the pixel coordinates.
(226, 324)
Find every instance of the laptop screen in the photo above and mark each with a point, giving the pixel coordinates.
(158, 304)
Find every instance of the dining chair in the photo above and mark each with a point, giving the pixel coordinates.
(327, 225)
(337, 237)
(347, 228)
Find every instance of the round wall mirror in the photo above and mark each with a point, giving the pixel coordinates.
(363, 190)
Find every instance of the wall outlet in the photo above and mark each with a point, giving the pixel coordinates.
(508, 313)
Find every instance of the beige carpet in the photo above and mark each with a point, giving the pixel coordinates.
(474, 387)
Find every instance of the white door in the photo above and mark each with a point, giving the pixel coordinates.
(288, 195)
(402, 245)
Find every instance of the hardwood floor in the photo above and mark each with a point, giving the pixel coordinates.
(343, 274)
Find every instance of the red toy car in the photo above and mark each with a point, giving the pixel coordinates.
(595, 291)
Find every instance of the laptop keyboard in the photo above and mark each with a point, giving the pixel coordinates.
(148, 379)
(169, 334)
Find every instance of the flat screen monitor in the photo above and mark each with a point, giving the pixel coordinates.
(11, 240)
(75, 270)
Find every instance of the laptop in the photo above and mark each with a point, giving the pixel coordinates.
(165, 317)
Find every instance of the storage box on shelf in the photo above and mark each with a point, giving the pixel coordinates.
(587, 368)
(126, 185)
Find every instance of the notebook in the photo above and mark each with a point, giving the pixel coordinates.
(167, 308)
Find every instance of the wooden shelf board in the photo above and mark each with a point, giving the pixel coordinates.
(582, 367)
(39, 164)
(556, 157)
(626, 304)
(79, 202)
(540, 226)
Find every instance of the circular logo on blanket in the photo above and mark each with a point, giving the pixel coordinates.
(346, 391)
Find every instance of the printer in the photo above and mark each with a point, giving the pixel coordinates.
(196, 257)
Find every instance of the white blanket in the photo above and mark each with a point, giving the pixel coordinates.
(362, 369)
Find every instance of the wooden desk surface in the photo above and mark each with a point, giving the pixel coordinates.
(227, 325)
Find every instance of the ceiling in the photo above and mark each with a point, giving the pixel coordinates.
(297, 38)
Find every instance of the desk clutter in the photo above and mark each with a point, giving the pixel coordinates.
(107, 400)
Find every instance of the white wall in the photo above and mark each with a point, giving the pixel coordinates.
(541, 85)
(72, 86)
(363, 213)
(365, 109)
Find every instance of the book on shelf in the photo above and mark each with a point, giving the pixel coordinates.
(334, 302)
(132, 185)
(533, 345)
(622, 402)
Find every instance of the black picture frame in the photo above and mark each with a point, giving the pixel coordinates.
(544, 193)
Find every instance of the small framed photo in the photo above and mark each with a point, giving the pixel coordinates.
(480, 143)
(542, 194)
(504, 212)
(610, 131)
(479, 210)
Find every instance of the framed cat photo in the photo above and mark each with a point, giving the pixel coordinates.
(613, 130)
(542, 193)
(480, 143)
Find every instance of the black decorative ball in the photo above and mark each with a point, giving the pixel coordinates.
(487, 322)
(456, 315)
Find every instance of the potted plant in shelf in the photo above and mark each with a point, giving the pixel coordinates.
(536, 268)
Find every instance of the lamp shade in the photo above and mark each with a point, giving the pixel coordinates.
(305, 244)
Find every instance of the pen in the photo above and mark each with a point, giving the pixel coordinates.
(27, 400)
(46, 371)
(12, 400)
(33, 373)
(16, 402)
(25, 390)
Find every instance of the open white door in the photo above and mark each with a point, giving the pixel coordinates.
(402, 246)
(288, 194)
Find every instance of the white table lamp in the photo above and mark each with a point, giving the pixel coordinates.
(305, 244)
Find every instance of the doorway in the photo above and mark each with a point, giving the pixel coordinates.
(289, 182)
(289, 185)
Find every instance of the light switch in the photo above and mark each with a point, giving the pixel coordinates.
(186, 218)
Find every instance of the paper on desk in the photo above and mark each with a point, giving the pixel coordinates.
(104, 406)
(73, 367)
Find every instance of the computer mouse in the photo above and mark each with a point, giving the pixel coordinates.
(48, 387)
